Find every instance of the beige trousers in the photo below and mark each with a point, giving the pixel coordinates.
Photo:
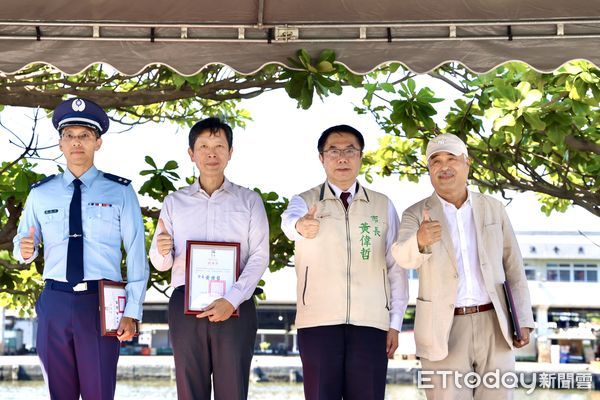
(476, 348)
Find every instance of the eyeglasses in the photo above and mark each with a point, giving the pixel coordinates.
(350, 152)
(84, 137)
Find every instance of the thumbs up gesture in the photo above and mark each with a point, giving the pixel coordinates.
(164, 241)
(308, 226)
(429, 232)
(27, 244)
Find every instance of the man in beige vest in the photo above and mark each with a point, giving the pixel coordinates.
(464, 248)
(351, 296)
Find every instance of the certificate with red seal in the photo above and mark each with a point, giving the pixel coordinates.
(211, 269)
(113, 298)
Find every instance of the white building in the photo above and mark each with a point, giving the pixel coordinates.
(564, 275)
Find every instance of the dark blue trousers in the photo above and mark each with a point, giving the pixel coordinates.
(76, 359)
(343, 361)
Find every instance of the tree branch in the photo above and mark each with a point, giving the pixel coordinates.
(449, 82)
(50, 98)
(9, 229)
(14, 291)
(9, 265)
(580, 144)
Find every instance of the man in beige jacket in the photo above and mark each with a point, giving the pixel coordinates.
(464, 248)
(351, 295)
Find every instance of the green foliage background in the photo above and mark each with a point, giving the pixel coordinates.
(525, 131)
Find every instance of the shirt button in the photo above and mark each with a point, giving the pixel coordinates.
(455, 276)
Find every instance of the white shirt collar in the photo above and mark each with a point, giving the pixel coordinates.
(195, 187)
(448, 204)
(337, 191)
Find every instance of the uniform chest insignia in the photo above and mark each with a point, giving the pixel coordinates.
(100, 204)
(118, 179)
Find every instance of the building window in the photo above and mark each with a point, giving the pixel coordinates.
(558, 272)
(576, 272)
(530, 273)
(585, 273)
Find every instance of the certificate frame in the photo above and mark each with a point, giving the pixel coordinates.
(211, 268)
(113, 299)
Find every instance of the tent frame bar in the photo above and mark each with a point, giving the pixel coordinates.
(312, 25)
(292, 33)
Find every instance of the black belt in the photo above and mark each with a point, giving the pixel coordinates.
(82, 287)
(473, 309)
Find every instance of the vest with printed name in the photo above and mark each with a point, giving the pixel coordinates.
(342, 273)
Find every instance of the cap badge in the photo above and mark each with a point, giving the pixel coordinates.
(78, 105)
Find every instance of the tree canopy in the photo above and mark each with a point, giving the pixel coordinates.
(156, 94)
(524, 130)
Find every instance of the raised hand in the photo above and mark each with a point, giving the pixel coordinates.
(429, 231)
(308, 225)
(27, 244)
(164, 241)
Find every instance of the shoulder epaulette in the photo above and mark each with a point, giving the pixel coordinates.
(118, 179)
(41, 181)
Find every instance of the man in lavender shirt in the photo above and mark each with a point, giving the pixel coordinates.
(212, 209)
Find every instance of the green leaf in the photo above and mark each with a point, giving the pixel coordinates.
(532, 97)
(555, 134)
(387, 87)
(588, 77)
(393, 67)
(336, 89)
(327, 55)
(570, 68)
(427, 95)
(580, 108)
(493, 113)
(150, 160)
(178, 81)
(172, 164)
(577, 92)
(21, 183)
(504, 89)
(507, 120)
(535, 121)
(411, 85)
(304, 58)
(524, 88)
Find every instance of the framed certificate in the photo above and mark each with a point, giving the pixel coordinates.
(113, 298)
(211, 270)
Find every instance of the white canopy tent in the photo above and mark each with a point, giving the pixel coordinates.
(186, 35)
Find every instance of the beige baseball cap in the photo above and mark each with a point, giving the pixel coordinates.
(446, 142)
